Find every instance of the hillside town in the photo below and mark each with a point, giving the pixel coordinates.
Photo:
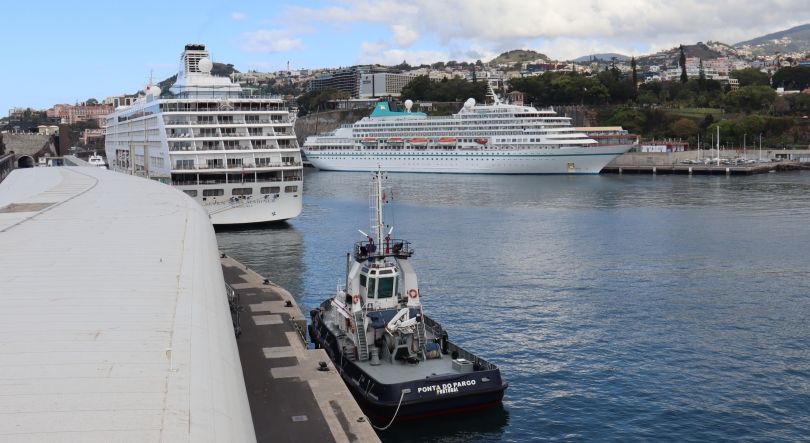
(656, 79)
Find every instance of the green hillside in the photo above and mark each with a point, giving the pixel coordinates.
(518, 56)
(791, 40)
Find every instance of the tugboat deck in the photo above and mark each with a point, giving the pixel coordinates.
(400, 371)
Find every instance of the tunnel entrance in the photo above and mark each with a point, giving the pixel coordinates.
(25, 161)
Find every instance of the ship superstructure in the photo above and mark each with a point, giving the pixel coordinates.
(480, 139)
(235, 153)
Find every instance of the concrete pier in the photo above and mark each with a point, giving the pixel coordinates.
(290, 400)
(695, 169)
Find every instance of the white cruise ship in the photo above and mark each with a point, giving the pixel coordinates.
(480, 139)
(234, 153)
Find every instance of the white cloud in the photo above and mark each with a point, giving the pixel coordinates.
(561, 29)
(269, 41)
(382, 53)
(238, 16)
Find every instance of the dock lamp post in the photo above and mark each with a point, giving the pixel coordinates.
(760, 148)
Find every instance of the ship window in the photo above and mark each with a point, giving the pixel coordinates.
(213, 192)
(386, 289)
(242, 191)
(372, 282)
(291, 189)
(363, 280)
(191, 192)
(270, 190)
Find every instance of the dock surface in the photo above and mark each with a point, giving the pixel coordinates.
(290, 400)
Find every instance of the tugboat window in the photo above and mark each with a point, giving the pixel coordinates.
(372, 283)
(386, 287)
(362, 280)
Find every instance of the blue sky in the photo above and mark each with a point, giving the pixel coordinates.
(64, 51)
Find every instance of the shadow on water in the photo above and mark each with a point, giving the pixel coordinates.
(481, 425)
(274, 250)
(272, 225)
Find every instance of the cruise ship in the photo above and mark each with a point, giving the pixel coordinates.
(493, 138)
(235, 153)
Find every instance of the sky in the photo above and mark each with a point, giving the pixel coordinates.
(69, 51)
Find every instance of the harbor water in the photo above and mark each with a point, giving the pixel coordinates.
(619, 307)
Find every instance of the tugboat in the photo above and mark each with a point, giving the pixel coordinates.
(397, 362)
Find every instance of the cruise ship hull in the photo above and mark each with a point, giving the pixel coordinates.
(584, 160)
(258, 208)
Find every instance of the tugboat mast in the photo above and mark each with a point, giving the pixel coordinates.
(379, 202)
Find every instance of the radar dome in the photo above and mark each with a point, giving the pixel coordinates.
(408, 105)
(152, 89)
(469, 103)
(206, 65)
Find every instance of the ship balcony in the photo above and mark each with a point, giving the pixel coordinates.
(246, 166)
(398, 248)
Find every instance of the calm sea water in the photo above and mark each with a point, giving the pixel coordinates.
(620, 308)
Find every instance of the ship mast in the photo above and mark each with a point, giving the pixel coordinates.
(379, 217)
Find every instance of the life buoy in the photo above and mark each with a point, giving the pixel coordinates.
(355, 298)
(413, 293)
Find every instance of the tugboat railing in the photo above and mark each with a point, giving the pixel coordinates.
(399, 248)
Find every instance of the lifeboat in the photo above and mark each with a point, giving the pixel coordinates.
(394, 140)
(481, 141)
(418, 141)
(447, 140)
(369, 140)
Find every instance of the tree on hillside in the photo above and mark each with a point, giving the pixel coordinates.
(684, 128)
(752, 126)
(749, 98)
(750, 77)
(635, 72)
(796, 77)
(781, 105)
(633, 120)
(416, 89)
(91, 102)
(728, 132)
(682, 62)
(702, 77)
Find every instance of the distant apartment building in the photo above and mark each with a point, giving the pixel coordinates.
(73, 114)
(383, 84)
(345, 79)
(121, 100)
(92, 133)
(252, 78)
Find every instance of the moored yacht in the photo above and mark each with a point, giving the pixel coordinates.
(233, 152)
(398, 362)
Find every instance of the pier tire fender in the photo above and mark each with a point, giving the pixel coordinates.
(352, 325)
(355, 299)
(413, 293)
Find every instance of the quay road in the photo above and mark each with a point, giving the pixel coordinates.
(290, 400)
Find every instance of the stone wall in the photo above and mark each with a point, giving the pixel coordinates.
(314, 124)
(33, 145)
